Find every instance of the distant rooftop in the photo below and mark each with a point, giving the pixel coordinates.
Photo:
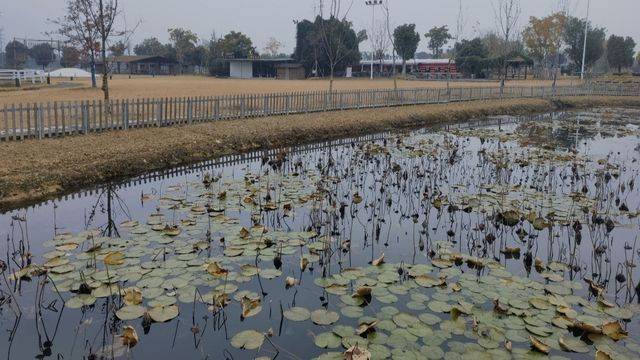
(261, 60)
(412, 61)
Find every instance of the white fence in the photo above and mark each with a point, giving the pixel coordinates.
(23, 75)
(54, 119)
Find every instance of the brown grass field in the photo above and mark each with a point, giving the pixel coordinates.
(76, 162)
(193, 86)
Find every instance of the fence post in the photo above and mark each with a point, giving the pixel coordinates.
(36, 114)
(158, 107)
(6, 123)
(125, 114)
(287, 104)
(189, 111)
(85, 117)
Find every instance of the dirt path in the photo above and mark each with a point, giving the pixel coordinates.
(33, 171)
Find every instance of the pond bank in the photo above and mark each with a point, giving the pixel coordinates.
(33, 171)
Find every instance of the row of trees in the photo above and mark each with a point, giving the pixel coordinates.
(43, 54)
(187, 49)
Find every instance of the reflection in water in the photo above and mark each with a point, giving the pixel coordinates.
(552, 201)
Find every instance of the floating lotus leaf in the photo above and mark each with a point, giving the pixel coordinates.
(327, 340)
(163, 300)
(379, 261)
(106, 290)
(428, 281)
(344, 331)
(364, 328)
(164, 313)
(538, 345)
(439, 307)
(297, 314)
(620, 313)
(414, 305)
(539, 303)
(614, 330)
(233, 252)
(63, 269)
(129, 336)
(353, 312)
(80, 300)
(131, 312)
(324, 317)
(573, 345)
(56, 261)
(539, 331)
(357, 353)
(270, 273)
(350, 341)
(405, 320)
(248, 339)
(171, 230)
(250, 307)
(429, 319)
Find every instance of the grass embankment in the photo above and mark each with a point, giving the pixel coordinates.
(33, 171)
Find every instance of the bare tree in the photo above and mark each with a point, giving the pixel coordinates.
(103, 15)
(334, 33)
(387, 12)
(460, 24)
(273, 46)
(78, 26)
(1, 37)
(380, 42)
(507, 13)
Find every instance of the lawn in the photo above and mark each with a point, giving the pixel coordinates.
(122, 87)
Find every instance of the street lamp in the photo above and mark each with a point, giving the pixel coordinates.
(584, 48)
(373, 4)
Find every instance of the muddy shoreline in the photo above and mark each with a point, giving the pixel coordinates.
(35, 171)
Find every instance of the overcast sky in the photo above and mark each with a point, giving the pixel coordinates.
(261, 19)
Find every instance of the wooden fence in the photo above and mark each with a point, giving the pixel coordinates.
(42, 120)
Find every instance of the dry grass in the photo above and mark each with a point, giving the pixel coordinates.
(185, 86)
(28, 176)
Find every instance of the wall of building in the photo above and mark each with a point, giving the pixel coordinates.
(241, 70)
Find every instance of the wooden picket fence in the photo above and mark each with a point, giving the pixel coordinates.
(55, 119)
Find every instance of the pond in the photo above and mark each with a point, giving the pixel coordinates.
(493, 239)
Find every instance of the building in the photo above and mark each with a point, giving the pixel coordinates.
(423, 68)
(141, 65)
(255, 68)
(290, 71)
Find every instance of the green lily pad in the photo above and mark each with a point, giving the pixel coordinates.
(164, 313)
(324, 317)
(79, 301)
(248, 339)
(327, 340)
(297, 314)
(131, 312)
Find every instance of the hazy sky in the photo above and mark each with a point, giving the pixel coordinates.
(261, 19)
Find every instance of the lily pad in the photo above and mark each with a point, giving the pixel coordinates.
(297, 314)
(248, 339)
(324, 317)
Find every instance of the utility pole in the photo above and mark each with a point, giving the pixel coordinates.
(373, 4)
(584, 47)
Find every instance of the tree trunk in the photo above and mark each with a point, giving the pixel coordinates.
(504, 79)
(93, 69)
(404, 67)
(331, 79)
(105, 72)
